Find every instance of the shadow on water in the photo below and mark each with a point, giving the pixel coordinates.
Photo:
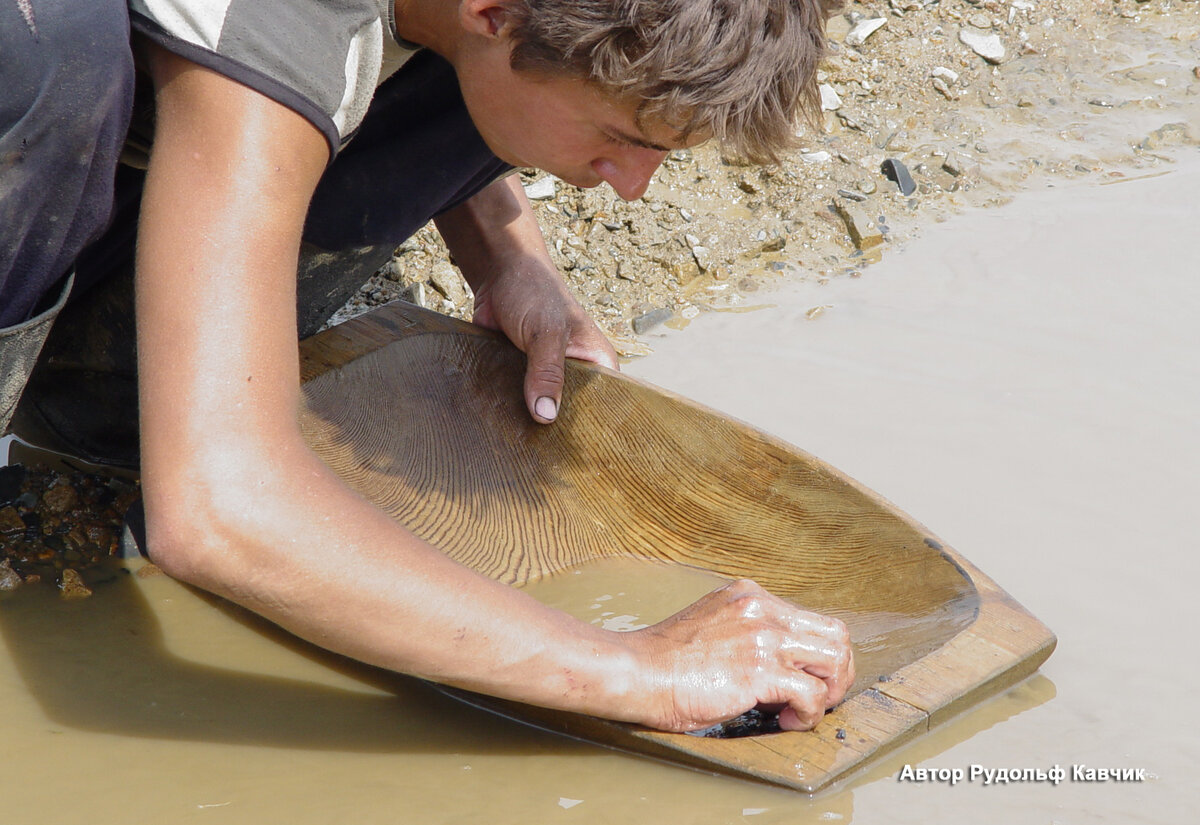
(101, 664)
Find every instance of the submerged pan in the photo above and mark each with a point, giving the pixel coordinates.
(424, 415)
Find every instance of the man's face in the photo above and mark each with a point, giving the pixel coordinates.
(566, 127)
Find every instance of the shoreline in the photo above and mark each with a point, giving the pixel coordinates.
(1025, 383)
(1121, 91)
(1081, 92)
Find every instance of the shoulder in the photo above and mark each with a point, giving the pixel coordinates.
(321, 59)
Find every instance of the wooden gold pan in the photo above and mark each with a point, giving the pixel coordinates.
(424, 416)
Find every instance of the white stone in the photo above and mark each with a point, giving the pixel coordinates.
(948, 75)
(445, 278)
(542, 189)
(987, 46)
(830, 101)
(816, 157)
(864, 29)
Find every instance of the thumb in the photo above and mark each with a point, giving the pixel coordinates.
(544, 374)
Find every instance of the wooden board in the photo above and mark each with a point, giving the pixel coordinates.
(424, 416)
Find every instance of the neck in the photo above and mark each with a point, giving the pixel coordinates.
(430, 23)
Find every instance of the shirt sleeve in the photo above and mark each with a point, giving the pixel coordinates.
(320, 58)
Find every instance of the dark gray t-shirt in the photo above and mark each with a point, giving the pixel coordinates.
(321, 58)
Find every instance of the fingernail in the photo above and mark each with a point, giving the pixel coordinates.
(545, 408)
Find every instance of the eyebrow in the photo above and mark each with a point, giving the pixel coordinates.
(636, 140)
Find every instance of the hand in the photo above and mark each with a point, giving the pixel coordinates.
(738, 648)
(498, 245)
(533, 308)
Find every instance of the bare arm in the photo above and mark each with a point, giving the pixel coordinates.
(238, 505)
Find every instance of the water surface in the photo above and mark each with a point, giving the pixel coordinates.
(1024, 381)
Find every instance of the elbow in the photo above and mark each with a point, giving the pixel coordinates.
(177, 542)
(192, 537)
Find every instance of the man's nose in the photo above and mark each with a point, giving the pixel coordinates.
(629, 172)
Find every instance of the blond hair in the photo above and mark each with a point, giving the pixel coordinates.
(740, 71)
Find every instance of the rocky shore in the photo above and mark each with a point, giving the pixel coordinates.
(929, 107)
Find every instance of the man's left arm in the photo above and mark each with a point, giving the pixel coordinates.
(497, 243)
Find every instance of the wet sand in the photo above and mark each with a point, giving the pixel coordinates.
(1024, 381)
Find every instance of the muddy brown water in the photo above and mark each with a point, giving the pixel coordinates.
(1026, 381)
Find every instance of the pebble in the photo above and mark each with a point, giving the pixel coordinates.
(944, 89)
(948, 75)
(854, 196)
(9, 580)
(830, 100)
(895, 171)
(61, 497)
(444, 277)
(816, 157)
(11, 522)
(863, 231)
(864, 29)
(649, 320)
(72, 585)
(987, 46)
(542, 189)
(954, 163)
(415, 294)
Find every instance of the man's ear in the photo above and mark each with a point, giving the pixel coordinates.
(486, 18)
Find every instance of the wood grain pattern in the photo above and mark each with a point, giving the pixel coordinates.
(424, 416)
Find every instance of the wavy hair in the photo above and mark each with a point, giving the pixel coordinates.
(739, 71)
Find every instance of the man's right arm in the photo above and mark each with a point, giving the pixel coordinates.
(237, 504)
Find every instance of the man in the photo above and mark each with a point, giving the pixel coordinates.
(254, 107)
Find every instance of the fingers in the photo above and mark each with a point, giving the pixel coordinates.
(818, 646)
(547, 351)
(807, 700)
(544, 373)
